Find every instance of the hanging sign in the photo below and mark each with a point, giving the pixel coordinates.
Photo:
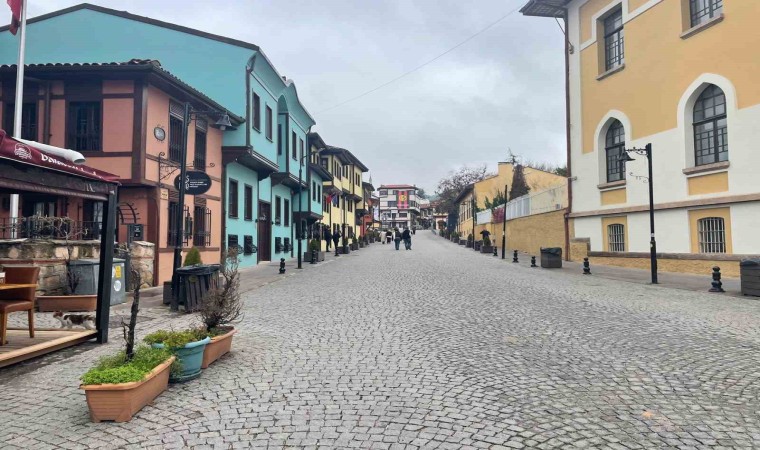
(196, 182)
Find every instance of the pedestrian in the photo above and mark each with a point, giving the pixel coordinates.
(327, 236)
(388, 236)
(414, 229)
(407, 237)
(336, 238)
(397, 237)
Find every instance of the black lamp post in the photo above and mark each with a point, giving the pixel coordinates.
(504, 226)
(474, 216)
(223, 123)
(647, 151)
(299, 228)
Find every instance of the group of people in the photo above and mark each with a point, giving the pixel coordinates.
(397, 236)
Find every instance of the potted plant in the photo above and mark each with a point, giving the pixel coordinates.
(221, 308)
(314, 247)
(486, 247)
(187, 345)
(476, 245)
(354, 244)
(469, 241)
(122, 384)
(65, 228)
(344, 248)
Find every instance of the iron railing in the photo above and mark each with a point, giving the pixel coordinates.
(36, 227)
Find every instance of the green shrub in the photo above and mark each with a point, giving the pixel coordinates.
(176, 339)
(193, 257)
(314, 245)
(486, 241)
(114, 369)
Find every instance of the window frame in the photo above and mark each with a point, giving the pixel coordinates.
(616, 237)
(200, 163)
(286, 212)
(29, 120)
(294, 145)
(269, 122)
(613, 38)
(256, 106)
(718, 132)
(277, 210)
(716, 226)
(247, 202)
(713, 11)
(614, 141)
(233, 198)
(72, 137)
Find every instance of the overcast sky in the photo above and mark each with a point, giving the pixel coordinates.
(503, 89)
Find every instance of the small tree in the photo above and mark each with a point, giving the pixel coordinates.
(222, 306)
(128, 330)
(193, 257)
(519, 185)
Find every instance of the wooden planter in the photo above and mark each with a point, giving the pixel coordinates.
(219, 346)
(118, 402)
(67, 303)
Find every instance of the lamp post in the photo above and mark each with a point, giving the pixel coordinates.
(223, 123)
(299, 228)
(474, 216)
(504, 226)
(647, 151)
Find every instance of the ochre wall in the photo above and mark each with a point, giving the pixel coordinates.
(529, 234)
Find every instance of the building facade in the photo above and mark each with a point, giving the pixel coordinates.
(662, 73)
(399, 207)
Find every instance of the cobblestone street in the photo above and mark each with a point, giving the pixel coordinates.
(438, 347)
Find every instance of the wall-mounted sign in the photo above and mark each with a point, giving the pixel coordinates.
(159, 133)
(164, 194)
(196, 182)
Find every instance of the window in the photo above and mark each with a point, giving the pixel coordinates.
(300, 150)
(358, 180)
(710, 127)
(615, 148)
(175, 139)
(614, 54)
(248, 247)
(402, 215)
(256, 104)
(202, 232)
(232, 242)
(232, 199)
(351, 206)
(84, 125)
(286, 210)
(616, 237)
(279, 139)
(172, 224)
(314, 191)
(383, 193)
(268, 118)
(712, 235)
(392, 204)
(277, 210)
(28, 120)
(294, 145)
(199, 162)
(324, 163)
(248, 202)
(702, 11)
(319, 191)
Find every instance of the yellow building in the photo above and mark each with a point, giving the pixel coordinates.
(680, 75)
(539, 181)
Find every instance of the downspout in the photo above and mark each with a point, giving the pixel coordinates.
(569, 140)
(48, 114)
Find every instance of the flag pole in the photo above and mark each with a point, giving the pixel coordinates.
(19, 104)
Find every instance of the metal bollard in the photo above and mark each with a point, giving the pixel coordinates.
(717, 285)
(514, 257)
(313, 257)
(586, 267)
(533, 261)
(282, 266)
(495, 252)
(336, 250)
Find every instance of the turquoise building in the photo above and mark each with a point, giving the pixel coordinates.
(262, 157)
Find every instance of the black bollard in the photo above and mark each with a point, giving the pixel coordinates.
(586, 267)
(533, 261)
(717, 285)
(336, 250)
(313, 257)
(282, 266)
(495, 252)
(514, 257)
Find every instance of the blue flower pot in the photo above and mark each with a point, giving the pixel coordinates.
(190, 357)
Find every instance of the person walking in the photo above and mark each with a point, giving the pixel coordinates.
(327, 236)
(336, 238)
(388, 236)
(397, 238)
(407, 237)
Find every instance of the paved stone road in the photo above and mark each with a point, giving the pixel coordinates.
(438, 347)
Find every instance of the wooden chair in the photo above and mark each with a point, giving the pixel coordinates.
(22, 299)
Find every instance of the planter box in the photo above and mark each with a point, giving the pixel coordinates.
(191, 358)
(119, 402)
(462, 242)
(307, 256)
(344, 250)
(478, 245)
(219, 346)
(67, 303)
(486, 249)
(468, 244)
(361, 244)
(355, 246)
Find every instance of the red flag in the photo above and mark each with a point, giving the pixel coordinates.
(15, 15)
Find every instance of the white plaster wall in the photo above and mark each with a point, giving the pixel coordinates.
(745, 228)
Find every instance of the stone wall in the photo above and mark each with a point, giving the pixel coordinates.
(530, 233)
(51, 255)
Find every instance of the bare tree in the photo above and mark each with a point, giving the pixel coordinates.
(455, 182)
(128, 329)
(223, 305)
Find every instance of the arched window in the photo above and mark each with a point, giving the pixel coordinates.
(614, 147)
(712, 235)
(710, 127)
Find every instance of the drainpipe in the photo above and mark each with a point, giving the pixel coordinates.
(569, 140)
(46, 128)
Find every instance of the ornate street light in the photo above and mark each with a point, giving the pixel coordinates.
(626, 157)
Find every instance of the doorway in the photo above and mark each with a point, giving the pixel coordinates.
(264, 229)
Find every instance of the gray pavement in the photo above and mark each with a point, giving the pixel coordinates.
(438, 347)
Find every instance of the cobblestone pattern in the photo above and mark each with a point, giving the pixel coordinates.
(438, 347)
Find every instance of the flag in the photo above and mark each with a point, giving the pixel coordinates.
(15, 15)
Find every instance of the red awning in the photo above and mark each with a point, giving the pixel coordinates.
(19, 152)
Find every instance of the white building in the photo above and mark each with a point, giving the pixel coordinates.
(399, 205)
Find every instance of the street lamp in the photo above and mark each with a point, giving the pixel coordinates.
(474, 216)
(223, 123)
(504, 226)
(626, 157)
(300, 203)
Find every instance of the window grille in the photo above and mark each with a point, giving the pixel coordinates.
(614, 54)
(710, 127)
(704, 10)
(286, 246)
(84, 123)
(616, 237)
(172, 222)
(614, 148)
(278, 245)
(199, 162)
(28, 120)
(232, 242)
(248, 247)
(712, 235)
(175, 139)
(202, 234)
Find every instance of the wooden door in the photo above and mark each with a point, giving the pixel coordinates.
(265, 231)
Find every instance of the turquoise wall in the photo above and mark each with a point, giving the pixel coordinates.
(281, 230)
(240, 226)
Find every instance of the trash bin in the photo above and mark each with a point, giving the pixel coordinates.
(86, 270)
(551, 258)
(193, 283)
(749, 271)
